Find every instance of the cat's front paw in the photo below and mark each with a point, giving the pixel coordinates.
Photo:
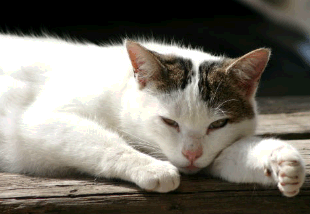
(160, 176)
(286, 166)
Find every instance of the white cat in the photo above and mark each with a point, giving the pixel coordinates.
(140, 112)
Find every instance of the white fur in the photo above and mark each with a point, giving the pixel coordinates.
(248, 160)
(77, 107)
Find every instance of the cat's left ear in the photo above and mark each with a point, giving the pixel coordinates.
(145, 64)
(249, 69)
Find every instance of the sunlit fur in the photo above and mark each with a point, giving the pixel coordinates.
(69, 107)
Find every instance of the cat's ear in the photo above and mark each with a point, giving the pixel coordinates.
(249, 69)
(145, 64)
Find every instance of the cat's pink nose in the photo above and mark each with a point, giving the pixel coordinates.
(192, 155)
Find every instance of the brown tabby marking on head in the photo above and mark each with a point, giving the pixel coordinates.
(226, 85)
(176, 73)
(219, 89)
(158, 71)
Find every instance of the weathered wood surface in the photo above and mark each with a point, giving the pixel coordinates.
(287, 118)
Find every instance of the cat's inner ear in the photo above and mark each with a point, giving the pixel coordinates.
(145, 64)
(249, 69)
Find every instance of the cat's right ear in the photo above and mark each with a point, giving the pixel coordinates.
(249, 69)
(145, 64)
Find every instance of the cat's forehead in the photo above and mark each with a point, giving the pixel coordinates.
(202, 84)
(203, 89)
(180, 71)
(186, 106)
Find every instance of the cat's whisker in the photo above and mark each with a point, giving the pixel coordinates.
(213, 97)
(220, 105)
(218, 109)
(220, 112)
(146, 144)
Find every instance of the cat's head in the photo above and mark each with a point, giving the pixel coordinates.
(193, 105)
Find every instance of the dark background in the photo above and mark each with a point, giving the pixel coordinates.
(233, 31)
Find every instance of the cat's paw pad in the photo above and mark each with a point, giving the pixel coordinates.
(287, 168)
(158, 177)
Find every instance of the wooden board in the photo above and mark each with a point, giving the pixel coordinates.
(277, 105)
(196, 194)
(284, 117)
(285, 126)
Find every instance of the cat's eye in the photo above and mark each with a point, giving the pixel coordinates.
(170, 122)
(218, 124)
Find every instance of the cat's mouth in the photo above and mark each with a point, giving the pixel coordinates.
(191, 169)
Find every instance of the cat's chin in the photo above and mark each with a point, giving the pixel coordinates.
(189, 170)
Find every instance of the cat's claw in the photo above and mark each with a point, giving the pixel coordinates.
(160, 176)
(287, 168)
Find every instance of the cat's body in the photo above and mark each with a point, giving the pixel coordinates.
(80, 107)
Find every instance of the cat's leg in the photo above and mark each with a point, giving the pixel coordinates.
(59, 140)
(264, 161)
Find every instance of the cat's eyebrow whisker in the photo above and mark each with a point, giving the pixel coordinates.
(212, 99)
(220, 112)
(220, 105)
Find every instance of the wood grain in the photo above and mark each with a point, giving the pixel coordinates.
(287, 126)
(284, 117)
(198, 194)
(278, 105)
